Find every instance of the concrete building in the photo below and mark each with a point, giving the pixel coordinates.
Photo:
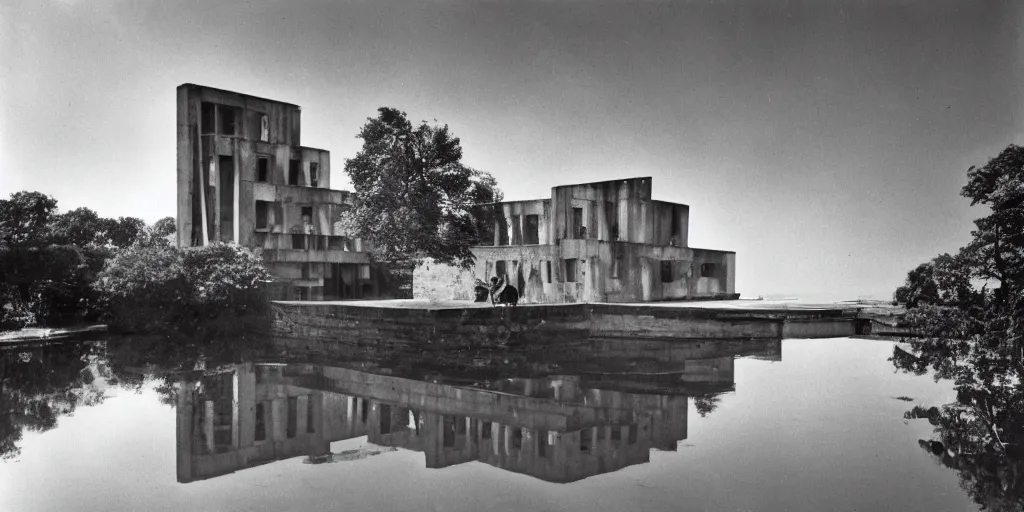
(245, 177)
(594, 242)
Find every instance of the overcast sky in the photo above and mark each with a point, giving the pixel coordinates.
(824, 142)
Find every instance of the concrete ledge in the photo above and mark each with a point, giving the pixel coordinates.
(419, 325)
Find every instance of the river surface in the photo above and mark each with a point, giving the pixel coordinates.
(815, 425)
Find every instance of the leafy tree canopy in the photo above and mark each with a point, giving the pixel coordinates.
(968, 311)
(414, 193)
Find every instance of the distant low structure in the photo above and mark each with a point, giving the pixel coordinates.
(244, 177)
(593, 242)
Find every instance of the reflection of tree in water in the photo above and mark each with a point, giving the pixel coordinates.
(968, 309)
(39, 386)
(706, 404)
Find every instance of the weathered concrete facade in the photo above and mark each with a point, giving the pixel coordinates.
(594, 242)
(244, 177)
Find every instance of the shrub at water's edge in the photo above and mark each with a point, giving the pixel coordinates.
(214, 289)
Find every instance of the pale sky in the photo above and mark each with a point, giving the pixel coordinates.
(823, 141)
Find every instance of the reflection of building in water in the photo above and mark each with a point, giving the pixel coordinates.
(556, 428)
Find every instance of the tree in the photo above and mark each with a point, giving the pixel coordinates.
(124, 231)
(80, 227)
(24, 218)
(165, 227)
(969, 312)
(414, 194)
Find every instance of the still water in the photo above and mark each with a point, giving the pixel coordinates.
(778, 425)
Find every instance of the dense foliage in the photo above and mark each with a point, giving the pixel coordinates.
(157, 288)
(415, 195)
(967, 309)
(49, 260)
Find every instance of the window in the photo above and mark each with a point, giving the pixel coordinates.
(549, 270)
(314, 174)
(601, 434)
(364, 271)
(293, 416)
(448, 431)
(517, 438)
(585, 440)
(707, 270)
(499, 268)
(262, 169)
(206, 123)
(616, 434)
(310, 427)
(517, 230)
(502, 230)
(385, 419)
(366, 409)
(261, 423)
(298, 241)
(264, 128)
(307, 214)
(228, 120)
(460, 426)
(262, 207)
(666, 271)
(294, 169)
(542, 443)
(305, 270)
(577, 224)
(485, 430)
(570, 270)
(632, 434)
(531, 235)
(616, 266)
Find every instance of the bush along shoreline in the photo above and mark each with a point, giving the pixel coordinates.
(77, 268)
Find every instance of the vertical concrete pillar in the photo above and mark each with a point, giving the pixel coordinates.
(184, 432)
(234, 410)
(208, 424)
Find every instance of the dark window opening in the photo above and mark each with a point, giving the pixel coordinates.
(294, 169)
(549, 270)
(262, 169)
(577, 224)
(206, 122)
(264, 128)
(531, 230)
(485, 430)
(666, 271)
(460, 426)
(601, 433)
(298, 241)
(585, 440)
(293, 416)
(502, 230)
(517, 438)
(616, 434)
(366, 409)
(448, 432)
(570, 270)
(632, 434)
(310, 426)
(385, 419)
(542, 443)
(305, 270)
(499, 268)
(517, 230)
(261, 423)
(228, 120)
(307, 214)
(314, 174)
(707, 270)
(262, 215)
